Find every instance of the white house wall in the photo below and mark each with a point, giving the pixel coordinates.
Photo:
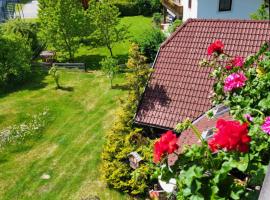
(241, 9)
(190, 12)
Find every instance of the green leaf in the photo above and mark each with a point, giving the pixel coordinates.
(265, 103)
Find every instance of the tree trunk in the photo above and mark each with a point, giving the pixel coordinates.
(110, 49)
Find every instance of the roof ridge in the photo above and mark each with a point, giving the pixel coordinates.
(229, 20)
(209, 20)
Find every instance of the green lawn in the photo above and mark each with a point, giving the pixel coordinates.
(137, 27)
(70, 148)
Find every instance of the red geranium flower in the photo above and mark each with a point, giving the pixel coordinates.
(231, 136)
(217, 47)
(167, 144)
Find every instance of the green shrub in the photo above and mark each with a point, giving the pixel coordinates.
(124, 138)
(25, 29)
(137, 7)
(150, 43)
(175, 25)
(15, 60)
(157, 18)
(127, 8)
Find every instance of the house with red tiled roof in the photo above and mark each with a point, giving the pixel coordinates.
(179, 88)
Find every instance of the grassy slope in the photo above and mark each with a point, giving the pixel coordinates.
(137, 26)
(70, 148)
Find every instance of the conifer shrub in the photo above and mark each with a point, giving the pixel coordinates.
(124, 138)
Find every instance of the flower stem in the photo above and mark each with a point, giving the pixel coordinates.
(204, 143)
(258, 111)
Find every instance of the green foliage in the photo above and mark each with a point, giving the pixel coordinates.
(26, 29)
(55, 75)
(262, 13)
(138, 71)
(175, 25)
(157, 18)
(123, 138)
(62, 23)
(150, 43)
(137, 7)
(127, 8)
(147, 7)
(14, 60)
(108, 30)
(110, 67)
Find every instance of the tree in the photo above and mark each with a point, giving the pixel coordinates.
(110, 67)
(262, 13)
(55, 75)
(139, 71)
(150, 43)
(14, 60)
(63, 22)
(105, 18)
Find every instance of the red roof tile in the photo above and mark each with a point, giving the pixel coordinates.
(179, 88)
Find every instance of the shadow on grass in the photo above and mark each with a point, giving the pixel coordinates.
(92, 61)
(120, 87)
(35, 81)
(66, 88)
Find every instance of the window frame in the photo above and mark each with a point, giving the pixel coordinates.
(224, 10)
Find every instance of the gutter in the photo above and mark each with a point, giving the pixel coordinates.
(265, 191)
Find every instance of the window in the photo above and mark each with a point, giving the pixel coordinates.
(225, 5)
(189, 3)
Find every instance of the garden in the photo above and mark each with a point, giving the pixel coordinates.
(69, 133)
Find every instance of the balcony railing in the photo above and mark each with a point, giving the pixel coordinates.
(174, 6)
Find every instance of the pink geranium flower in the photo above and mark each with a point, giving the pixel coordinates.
(266, 125)
(238, 61)
(235, 80)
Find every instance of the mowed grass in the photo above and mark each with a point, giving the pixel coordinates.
(71, 145)
(137, 27)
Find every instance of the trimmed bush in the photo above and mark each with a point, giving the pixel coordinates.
(127, 8)
(137, 7)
